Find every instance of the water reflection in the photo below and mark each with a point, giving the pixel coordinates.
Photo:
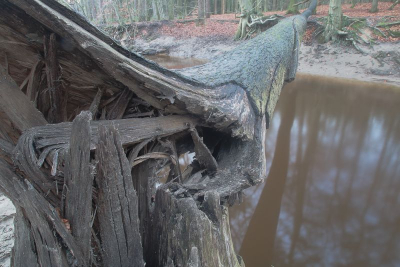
(332, 194)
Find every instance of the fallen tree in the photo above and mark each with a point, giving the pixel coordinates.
(92, 136)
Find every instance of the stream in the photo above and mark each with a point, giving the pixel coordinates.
(332, 196)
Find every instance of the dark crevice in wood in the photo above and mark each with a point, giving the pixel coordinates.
(56, 113)
(118, 108)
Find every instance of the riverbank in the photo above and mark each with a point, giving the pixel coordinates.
(379, 63)
(379, 60)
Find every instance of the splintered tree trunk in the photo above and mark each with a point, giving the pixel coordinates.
(374, 7)
(102, 184)
(334, 22)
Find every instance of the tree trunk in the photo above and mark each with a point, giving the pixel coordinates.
(292, 9)
(334, 22)
(142, 7)
(374, 7)
(171, 14)
(246, 9)
(104, 186)
(200, 15)
(208, 9)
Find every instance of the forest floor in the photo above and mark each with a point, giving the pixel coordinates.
(380, 60)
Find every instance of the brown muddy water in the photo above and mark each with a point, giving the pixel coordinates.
(332, 196)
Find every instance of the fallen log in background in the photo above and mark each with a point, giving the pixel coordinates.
(110, 186)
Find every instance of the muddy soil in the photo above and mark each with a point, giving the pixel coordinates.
(378, 63)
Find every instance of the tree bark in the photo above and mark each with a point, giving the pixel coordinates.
(77, 208)
(200, 15)
(110, 192)
(334, 22)
(292, 8)
(208, 9)
(374, 6)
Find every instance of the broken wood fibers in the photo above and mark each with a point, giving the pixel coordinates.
(81, 201)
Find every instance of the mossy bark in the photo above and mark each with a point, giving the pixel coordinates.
(334, 22)
(292, 9)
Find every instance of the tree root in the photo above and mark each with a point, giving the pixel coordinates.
(252, 23)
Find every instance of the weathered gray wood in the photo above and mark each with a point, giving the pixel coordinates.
(135, 151)
(23, 253)
(57, 136)
(203, 154)
(19, 110)
(144, 182)
(6, 65)
(78, 181)
(184, 234)
(226, 107)
(118, 108)
(233, 96)
(94, 107)
(35, 75)
(23, 115)
(42, 219)
(117, 203)
(6, 148)
(56, 113)
(131, 130)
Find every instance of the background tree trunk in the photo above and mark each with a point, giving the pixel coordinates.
(292, 9)
(246, 9)
(200, 15)
(208, 9)
(334, 22)
(374, 7)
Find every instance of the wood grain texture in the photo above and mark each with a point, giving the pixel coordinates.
(117, 203)
(16, 105)
(78, 181)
